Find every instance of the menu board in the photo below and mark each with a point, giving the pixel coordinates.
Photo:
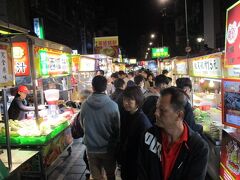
(50, 62)
(6, 68)
(87, 64)
(230, 156)
(231, 102)
(233, 36)
(209, 66)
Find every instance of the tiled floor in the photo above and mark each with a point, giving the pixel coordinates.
(71, 167)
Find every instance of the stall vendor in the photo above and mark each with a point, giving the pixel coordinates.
(19, 107)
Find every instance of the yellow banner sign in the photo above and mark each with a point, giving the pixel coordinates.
(107, 46)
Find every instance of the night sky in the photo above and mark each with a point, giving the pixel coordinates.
(135, 18)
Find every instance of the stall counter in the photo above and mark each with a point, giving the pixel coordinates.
(19, 157)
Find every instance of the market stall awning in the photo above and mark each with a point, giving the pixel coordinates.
(8, 29)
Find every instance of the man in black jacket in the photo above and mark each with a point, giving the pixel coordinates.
(186, 85)
(171, 150)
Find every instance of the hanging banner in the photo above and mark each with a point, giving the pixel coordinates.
(6, 66)
(21, 59)
(232, 47)
(107, 46)
(209, 66)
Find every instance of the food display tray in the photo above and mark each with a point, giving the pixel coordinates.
(35, 140)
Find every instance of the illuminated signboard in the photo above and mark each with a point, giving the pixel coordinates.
(75, 63)
(181, 67)
(21, 59)
(232, 47)
(133, 61)
(52, 62)
(206, 66)
(87, 64)
(38, 27)
(160, 52)
(108, 46)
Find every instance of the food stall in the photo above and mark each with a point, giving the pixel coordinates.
(83, 70)
(206, 75)
(47, 131)
(180, 69)
(230, 150)
(167, 64)
(13, 159)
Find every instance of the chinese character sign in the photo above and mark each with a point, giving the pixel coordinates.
(21, 59)
(51, 62)
(233, 36)
(209, 66)
(107, 46)
(6, 72)
(160, 52)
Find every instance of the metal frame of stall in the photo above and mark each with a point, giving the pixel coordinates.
(34, 41)
(9, 29)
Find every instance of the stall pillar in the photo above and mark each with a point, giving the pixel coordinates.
(6, 118)
(33, 74)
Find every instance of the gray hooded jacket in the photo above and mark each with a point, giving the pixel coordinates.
(100, 120)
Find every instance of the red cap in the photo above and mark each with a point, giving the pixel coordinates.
(23, 89)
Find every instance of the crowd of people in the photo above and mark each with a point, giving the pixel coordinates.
(144, 126)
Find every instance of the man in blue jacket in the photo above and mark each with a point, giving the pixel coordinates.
(101, 124)
(171, 150)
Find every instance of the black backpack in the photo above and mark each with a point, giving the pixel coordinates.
(76, 128)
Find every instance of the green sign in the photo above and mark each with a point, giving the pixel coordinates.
(160, 52)
(38, 27)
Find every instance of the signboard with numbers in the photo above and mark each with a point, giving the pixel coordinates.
(6, 67)
(209, 66)
(21, 59)
(51, 62)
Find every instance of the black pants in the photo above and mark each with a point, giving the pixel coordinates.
(86, 159)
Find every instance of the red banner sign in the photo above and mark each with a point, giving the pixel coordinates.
(21, 59)
(233, 36)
